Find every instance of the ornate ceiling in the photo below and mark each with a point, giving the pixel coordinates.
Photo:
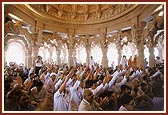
(80, 22)
(80, 18)
(84, 13)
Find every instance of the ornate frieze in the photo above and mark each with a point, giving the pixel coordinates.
(84, 12)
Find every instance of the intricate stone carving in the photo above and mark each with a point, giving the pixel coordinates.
(16, 27)
(152, 27)
(60, 13)
(88, 42)
(7, 27)
(111, 9)
(149, 33)
(83, 12)
(134, 31)
(103, 40)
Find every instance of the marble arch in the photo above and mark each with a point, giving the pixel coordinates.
(76, 24)
(20, 40)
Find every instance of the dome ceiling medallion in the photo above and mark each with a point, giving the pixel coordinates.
(85, 13)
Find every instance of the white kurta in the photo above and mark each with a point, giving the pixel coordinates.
(122, 108)
(76, 96)
(60, 103)
(91, 63)
(85, 106)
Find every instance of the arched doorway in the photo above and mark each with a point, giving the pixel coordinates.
(15, 53)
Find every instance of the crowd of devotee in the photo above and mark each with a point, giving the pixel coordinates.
(51, 87)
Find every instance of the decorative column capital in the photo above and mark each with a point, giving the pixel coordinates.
(150, 33)
(70, 41)
(118, 45)
(104, 40)
(88, 42)
(137, 34)
(34, 38)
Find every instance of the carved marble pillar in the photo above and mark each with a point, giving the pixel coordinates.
(58, 56)
(88, 49)
(140, 56)
(88, 52)
(74, 56)
(104, 46)
(26, 58)
(104, 58)
(70, 50)
(74, 52)
(138, 39)
(152, 30)
(40, 35)
(160, 49)
(70, 56)
(119, 49)
(5, 54)
(29, 58)
(64, 56)
(35, 48)
(160, 52)
(34, 38)
(50, 52)
(151, 57)
(78, 56)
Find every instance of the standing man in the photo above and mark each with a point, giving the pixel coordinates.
(75, 62)
(123, 62)
(145, 63)
(91, 61)
(157, 61)
(38, 65)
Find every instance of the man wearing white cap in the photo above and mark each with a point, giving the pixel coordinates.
(50, 90)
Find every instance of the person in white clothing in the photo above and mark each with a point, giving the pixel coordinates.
(75, 61)
(124, 80)
(42, 76)
(115, 75)
(124, 61)
(50, 90)
(60, 100)
(76, 96)
(91, 61)
(39, 63)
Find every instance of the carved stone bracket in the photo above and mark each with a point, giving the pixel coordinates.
(88, 42)
(150, 34)
(104, 40)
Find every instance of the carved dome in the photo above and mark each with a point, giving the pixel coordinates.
(80, 19)
(84, 13)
